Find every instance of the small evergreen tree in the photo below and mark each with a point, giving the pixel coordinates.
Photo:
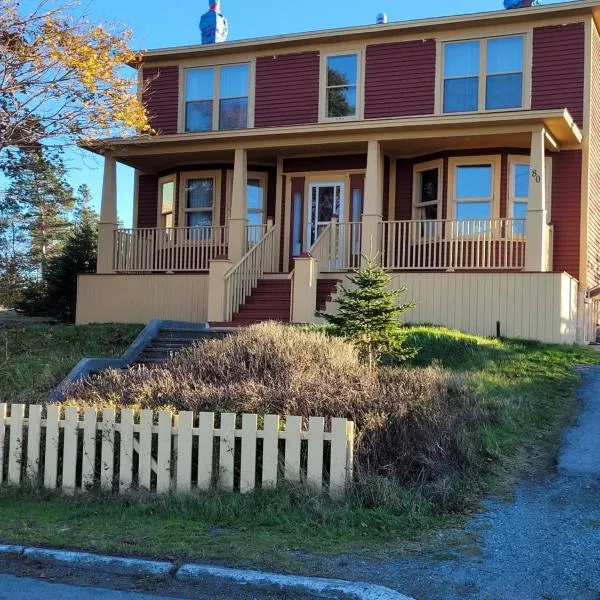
(368, 314)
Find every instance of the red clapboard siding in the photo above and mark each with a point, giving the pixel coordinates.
(161, 97)
(400, 79)
(147, 201)
(593, 250)
(558, 68)
(566, 210)
(404, 183)
(287, 89)
(325, 163)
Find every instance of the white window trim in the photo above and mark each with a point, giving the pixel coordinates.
(466, 161)
(482, 75)
(216, 209)
(417, 170)
(360, 87)
(161, 182)
(181, 125)
(516, 159)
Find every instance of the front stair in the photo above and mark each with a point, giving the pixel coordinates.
(170, 340)
(271, 300)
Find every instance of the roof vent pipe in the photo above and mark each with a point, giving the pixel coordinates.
(382, 19)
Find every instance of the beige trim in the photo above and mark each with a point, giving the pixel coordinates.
(392, 198)
(453, 162)
(417, 170)
(278, 208)
(264, 177)
(360, 85)
(136, 197)
(216, 66)
(287, 222)
(415, 29)
(187, 175)
(483, 40)
(161, 182)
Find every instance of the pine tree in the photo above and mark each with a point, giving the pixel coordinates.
(78, 256)
(39, 191)
(369, 314)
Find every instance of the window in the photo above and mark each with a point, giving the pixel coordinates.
(518, 190)
(256, 208)
(484, 74)
(217, 98)
(199, 206)
(427, 188)
(340, 89)
(167, 197)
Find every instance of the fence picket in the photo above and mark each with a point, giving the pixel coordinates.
(337, 470)
(108, 449)
(88, 465)
(34, 432)
(185, 422)
(15, 449)
(71, 432)
(206, 427)
(126, 450)
(270, 451)
(51, 457)
(145, 449)
(293, 429)
(2, 437)
(163, 461)
(227, 448)
(248, 467)
(314, 470)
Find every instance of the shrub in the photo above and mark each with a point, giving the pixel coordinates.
(410, 422)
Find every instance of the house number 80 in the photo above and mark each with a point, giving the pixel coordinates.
(536, 176)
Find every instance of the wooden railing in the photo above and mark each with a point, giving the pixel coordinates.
(448, 245)
(244, 275)
(168, 249)
(338, 247)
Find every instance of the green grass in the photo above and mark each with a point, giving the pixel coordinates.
(530, 387)
(34, 358)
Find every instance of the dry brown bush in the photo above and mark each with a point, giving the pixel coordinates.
(410, 422)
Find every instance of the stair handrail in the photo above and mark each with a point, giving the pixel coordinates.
(242, 277)
(322, 249)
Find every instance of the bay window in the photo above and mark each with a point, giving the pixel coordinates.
(200, 203)
(217, 98)
(166, 190)
(481, 75)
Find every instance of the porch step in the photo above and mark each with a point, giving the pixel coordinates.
(326, 289)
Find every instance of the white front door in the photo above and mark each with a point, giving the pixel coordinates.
(326, 201)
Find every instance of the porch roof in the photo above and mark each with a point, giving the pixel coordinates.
(399, 137)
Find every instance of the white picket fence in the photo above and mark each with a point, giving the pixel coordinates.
(120, 450)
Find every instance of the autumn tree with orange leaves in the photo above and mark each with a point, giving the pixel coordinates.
(62, 78)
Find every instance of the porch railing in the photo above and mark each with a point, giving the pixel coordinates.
(244, 275)
(254, 233)
(449, 245)
(168, 249)
(337, 248)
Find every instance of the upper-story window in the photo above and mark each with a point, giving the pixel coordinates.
(483, 75)
(217, 98)
(340, 86)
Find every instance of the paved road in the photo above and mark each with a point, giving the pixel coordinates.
(22, 588)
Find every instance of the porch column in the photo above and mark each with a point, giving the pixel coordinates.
(239, 210)
(538, 237)
(217, 296)
(304, 289)
(108, 218)
(372, 203)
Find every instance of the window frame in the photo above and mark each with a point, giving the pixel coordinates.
(419, 168)
(521, 159)
(482, 74)
(216, 208)
(183, 69)
(360, 87)
(160, 214)
(454, 162)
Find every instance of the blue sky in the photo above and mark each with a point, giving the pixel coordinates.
(158, 24)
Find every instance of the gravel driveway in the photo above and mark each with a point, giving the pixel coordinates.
(543, 545)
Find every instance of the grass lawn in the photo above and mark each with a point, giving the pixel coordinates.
(34, 358)
(530, 385)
